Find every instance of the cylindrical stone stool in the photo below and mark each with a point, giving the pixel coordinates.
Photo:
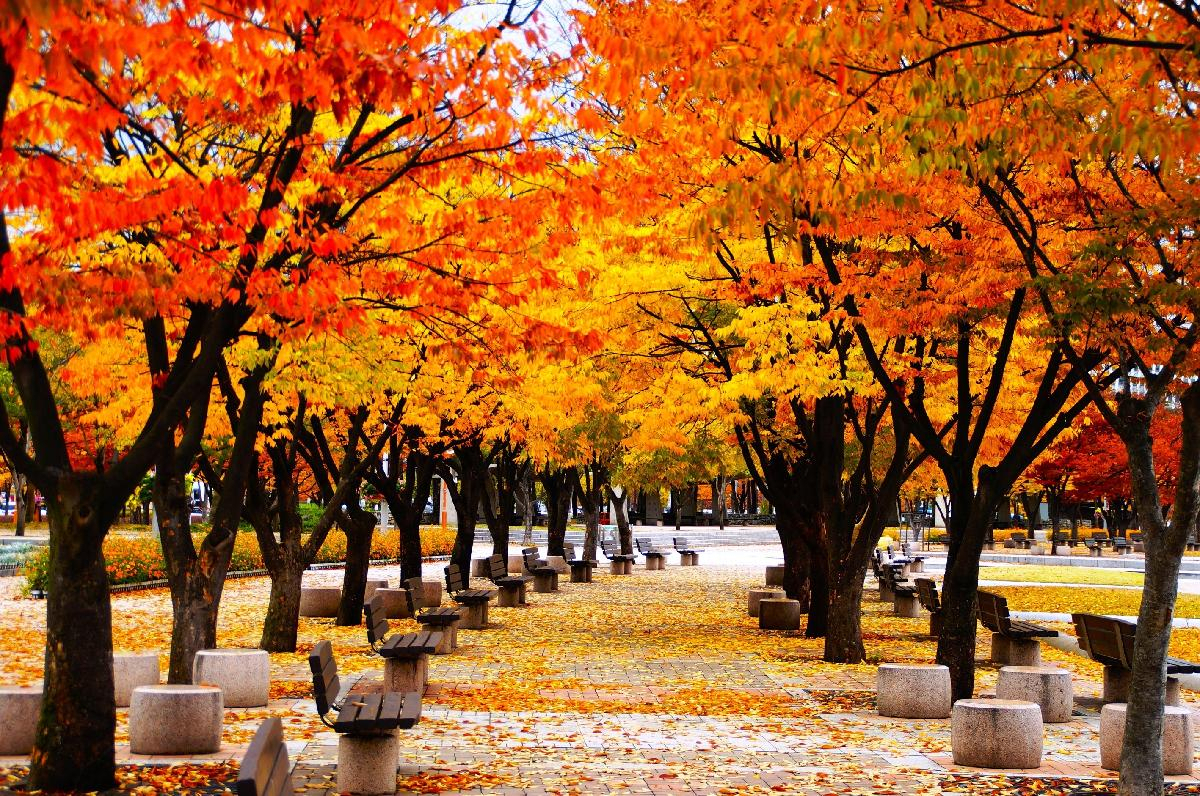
(320, 601)
(244, 676)
(432, 591)
(1016, 651)
(131, 670)
(175, 720)
(1176, 742)
(913, 691)
(1050, 689)
(367, 764)
(754, 596)
(373, 585)
(996, 733)
(774, 576)
(480, 568)
(406, 674)
(906, 605)
(395, 603)
(20, 707)
(778, 614)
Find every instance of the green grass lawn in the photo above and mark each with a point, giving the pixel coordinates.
(1051, 574)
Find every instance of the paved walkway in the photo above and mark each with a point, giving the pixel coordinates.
(653, 683)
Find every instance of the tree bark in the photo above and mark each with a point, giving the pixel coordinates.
(621, 506)
(359, 526)
(558, 485)
(464, 477)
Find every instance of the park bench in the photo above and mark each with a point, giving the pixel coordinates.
(368, 749)
(443, 620)
(1109, 642)
(1017, 540)
(581, 568)
(1135, 539)
(265, 769)
(365, 713)
(892, 585)
(688, 556)
(405, 655)
(655, 556)
(1121, 545)
(545, 577)
(512, 587)
(1014, 643)
(916, 563)
(475, 601)
(620, 563)
(1101, 538)
(1094, 548)
(1062, 538)
(927, 593)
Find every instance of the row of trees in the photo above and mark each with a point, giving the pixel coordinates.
(847, 251)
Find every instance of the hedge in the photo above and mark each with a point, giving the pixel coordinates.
(137, 559)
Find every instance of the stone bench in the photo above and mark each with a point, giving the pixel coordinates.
(996, 733)
(559, 563)
(320, 601)
(131, 670)
(244, 676)
(20, 707)
(1177, 740)
(774, 576)
(913, 691)
(175, 720)
(779, 613)
(755, 596)
(393, 603)
(1048, 688)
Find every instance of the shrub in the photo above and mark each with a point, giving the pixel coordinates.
(37, 569)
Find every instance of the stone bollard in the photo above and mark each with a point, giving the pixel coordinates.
(244, 676)
(756, 595)
(1050, 689)
(913, 691)
(774, 576)
(20, 707)
(778, 614)
(367, 764)
(131, 670)
(1016, 651)
(996, 733)
(1177, 740)
(175, 720)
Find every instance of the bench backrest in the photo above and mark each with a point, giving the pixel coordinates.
(1100, 638)
(569, 551)
(1017, 537)
(1135, 537)
(326, 685)
(414, 588)
(377, 623)
(529, 556)
(454, 579)
(265, 770)
(1060, 536)
(680, 542)
(642, 542)
(927, 595)
(497, 566)
(993, 611)
(609, 548)
(1100, 536)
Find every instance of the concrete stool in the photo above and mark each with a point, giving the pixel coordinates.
(906, 605)
(1176, 741)
(774, 576)
(581, 571)
(244, 676)
(516, 563)
(778, 613)
(1050, 689)
(996, 733)
(320, 601)
(432, 593)
(543, 582)
(559, 563)
(480, 568)
(1116, 686)
(395, 603)
(1016, 651)
(175, 720)
(373, 585)
(367, 764)
(655, 561)
(509, 596)
(20, 707)
(754, 596)
(913, 691)
(406, 674)
(131, 670)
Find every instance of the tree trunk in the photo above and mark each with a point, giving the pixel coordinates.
(359, 527)
(719, 500)
(621, 509)
(19, 499)
(282, 624)
(843, 635)
(558, 486)
(74, 748)
(528, 503)
(796, 564)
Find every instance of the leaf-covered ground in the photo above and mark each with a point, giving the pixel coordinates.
(658, 682)
(1032, 573)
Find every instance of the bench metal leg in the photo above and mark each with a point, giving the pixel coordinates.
(406, 674)
(367, 764)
